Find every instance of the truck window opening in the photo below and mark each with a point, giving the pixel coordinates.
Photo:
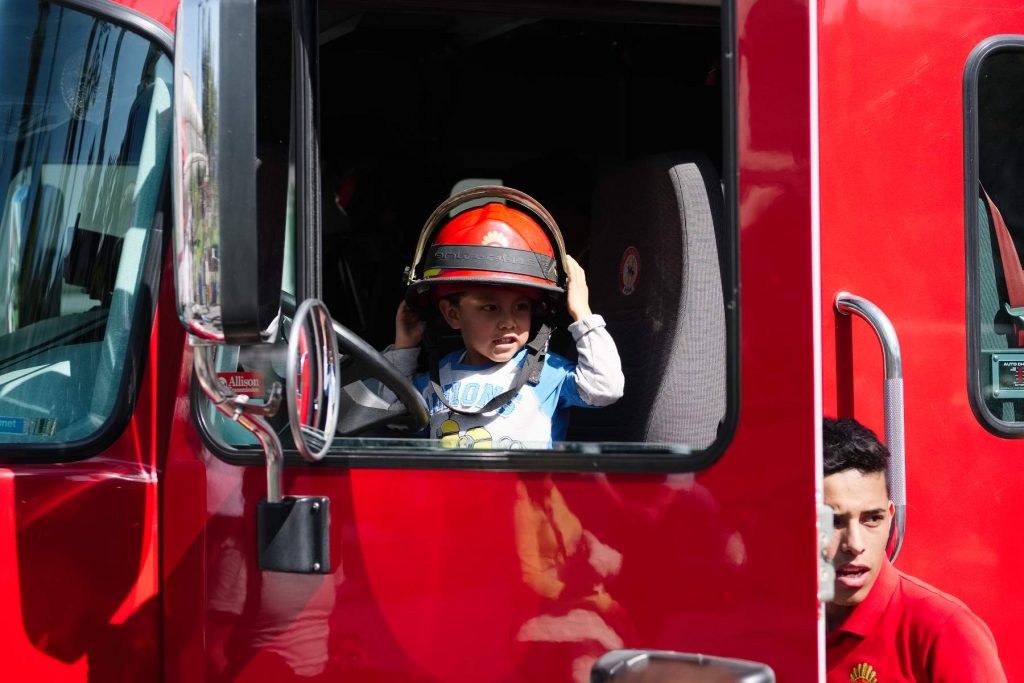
(414, 103)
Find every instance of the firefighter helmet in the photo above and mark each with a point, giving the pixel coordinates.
(493, 244)
(489, 245)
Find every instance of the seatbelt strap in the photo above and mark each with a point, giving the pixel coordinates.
(1012, 271)
(529, 372)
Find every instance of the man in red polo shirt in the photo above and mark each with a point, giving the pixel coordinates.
(885, 626)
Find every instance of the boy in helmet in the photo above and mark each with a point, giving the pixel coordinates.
(491, 273)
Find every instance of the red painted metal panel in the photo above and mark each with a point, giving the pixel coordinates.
(164, 11)
(79, 547)
(441, 575)
(458, 575)
(892, 218)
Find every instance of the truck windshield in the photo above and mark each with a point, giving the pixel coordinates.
(85, 116)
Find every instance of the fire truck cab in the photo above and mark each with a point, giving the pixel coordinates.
(211, 210)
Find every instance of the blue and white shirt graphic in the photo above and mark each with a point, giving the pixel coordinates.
(537, 415)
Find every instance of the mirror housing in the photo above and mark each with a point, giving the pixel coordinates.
(228, 250)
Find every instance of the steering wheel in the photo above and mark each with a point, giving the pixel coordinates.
(361, 409)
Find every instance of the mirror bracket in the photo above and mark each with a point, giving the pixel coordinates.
(292, 532)
(238, 408)
(271, 403)
(294, 535)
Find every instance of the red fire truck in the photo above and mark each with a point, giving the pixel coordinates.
(785, 210)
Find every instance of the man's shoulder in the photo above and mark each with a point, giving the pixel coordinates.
(954, 639)
(931, 609)
(922, 595)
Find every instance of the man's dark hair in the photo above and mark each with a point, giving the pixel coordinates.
(848, 445)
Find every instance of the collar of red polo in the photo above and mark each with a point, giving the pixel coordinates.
(867, 614)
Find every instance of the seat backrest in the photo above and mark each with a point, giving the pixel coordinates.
(997, 331)
(997, 327)
(654, 274)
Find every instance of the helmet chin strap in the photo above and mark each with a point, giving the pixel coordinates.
(529, 371)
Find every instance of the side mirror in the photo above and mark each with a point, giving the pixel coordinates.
(312, 380)
(228, 233)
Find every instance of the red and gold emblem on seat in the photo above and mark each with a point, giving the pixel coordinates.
(629, 270)
(863, 673)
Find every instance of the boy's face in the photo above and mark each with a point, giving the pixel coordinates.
(863, 513)
(494, 322)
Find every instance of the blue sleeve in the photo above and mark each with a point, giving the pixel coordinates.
(558, 381)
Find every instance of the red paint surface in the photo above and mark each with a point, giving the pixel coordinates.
(163, 11)
(431, 574)
(80, 546)
(441, 575)
(892, 214)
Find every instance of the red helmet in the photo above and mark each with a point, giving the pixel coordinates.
(492, 244)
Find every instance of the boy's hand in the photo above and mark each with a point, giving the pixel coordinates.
(408, 328)
(577, 296)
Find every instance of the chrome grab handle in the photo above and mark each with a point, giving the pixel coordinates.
(896, 472)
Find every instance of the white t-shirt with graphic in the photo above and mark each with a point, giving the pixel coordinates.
(538, 414)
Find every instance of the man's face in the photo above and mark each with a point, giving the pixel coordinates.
(494, 322)
(863, 513)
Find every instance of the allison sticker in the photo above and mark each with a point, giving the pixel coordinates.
(243, 383)
(629, 270)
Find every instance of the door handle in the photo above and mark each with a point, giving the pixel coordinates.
(896, 471)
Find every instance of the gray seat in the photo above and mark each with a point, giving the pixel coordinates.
(654, 275)
(997, 331)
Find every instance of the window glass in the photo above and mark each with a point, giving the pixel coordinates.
(84, 131)
(615, 127)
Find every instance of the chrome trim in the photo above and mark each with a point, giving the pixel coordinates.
(826, 570)
(313, 440)
(194, 181)
(896, 472)
(238, 409)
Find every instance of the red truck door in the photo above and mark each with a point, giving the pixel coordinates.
(906, 144)
(509, 564)
(86, 393)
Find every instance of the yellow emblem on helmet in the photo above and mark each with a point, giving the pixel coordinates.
(863, 673)
(494, 239)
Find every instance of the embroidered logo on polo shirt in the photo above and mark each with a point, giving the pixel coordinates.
(863, 673)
